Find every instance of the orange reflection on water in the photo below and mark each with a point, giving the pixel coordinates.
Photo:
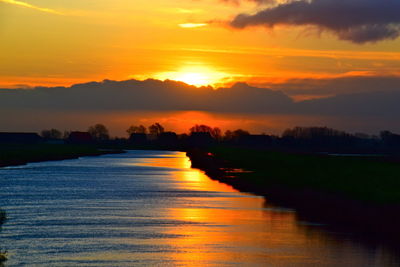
(211, 224)
(234, 230)
(175, 160)
(181, 171)
(223, 227)
(197, 180)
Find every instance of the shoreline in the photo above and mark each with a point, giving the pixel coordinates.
(333, 210)
(22, 155)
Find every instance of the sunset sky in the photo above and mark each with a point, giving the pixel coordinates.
(56, 42)
(283, 45)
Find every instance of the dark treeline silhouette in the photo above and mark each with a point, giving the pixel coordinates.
(51, 134)
(99, 132)
(301, 139)
(320, 139)
(215, 132)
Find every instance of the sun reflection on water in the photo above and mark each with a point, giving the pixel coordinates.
(151, 209)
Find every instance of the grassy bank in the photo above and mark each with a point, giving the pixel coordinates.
(22, 154)
(370, 180)
(359, 194)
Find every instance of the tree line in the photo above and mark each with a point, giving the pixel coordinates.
(297, 138)
(100, 131)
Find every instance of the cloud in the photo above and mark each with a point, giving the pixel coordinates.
(124, 102)
(27, 5)
(358, 21)
(382, 105)
(323, 87)
(148, 95)
(155, 95)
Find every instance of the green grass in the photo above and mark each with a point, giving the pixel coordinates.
(358, 178)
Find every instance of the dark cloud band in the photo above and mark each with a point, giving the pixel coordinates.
(366, 97)
(358, 21)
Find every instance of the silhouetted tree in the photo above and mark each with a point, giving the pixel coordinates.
(200, 129)
(362, 136)
(235, 135)
(228, 135)
(99, 132)
(66, 134)
(313, 133)
(320, 139)
(214, 132)
(240, 132)
(156, 129)
(136, 129)
(51, 134)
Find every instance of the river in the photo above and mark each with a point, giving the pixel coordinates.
(149, 208)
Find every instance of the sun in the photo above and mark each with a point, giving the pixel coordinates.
(196, 75)
(193, 78)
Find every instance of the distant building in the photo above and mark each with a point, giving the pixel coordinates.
(200, 139)
(20, 138)
(152, 137)
(168, 139)
(80, 138)
(138, 138)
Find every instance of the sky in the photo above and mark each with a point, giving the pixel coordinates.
(57, 42)
(307, 49)
(179, 106)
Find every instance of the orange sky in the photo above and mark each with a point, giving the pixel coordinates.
(61, 43)
(47, 42)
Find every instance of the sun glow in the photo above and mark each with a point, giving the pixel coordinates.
(195, 75)
(192, 78)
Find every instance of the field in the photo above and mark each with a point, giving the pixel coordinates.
(367, 179)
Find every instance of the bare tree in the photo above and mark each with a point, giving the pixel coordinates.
(234, 135)
(51, 134)
(136, 129)
(156, 129)
(214, 132)
(66, 134)
(99, 132)
(240, 132)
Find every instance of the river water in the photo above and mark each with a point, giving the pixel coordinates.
(149, 208)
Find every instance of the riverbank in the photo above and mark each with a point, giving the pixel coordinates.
(360, 194)
(3, 254)
(11, 155)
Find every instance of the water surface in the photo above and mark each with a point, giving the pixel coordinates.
(149, 208)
